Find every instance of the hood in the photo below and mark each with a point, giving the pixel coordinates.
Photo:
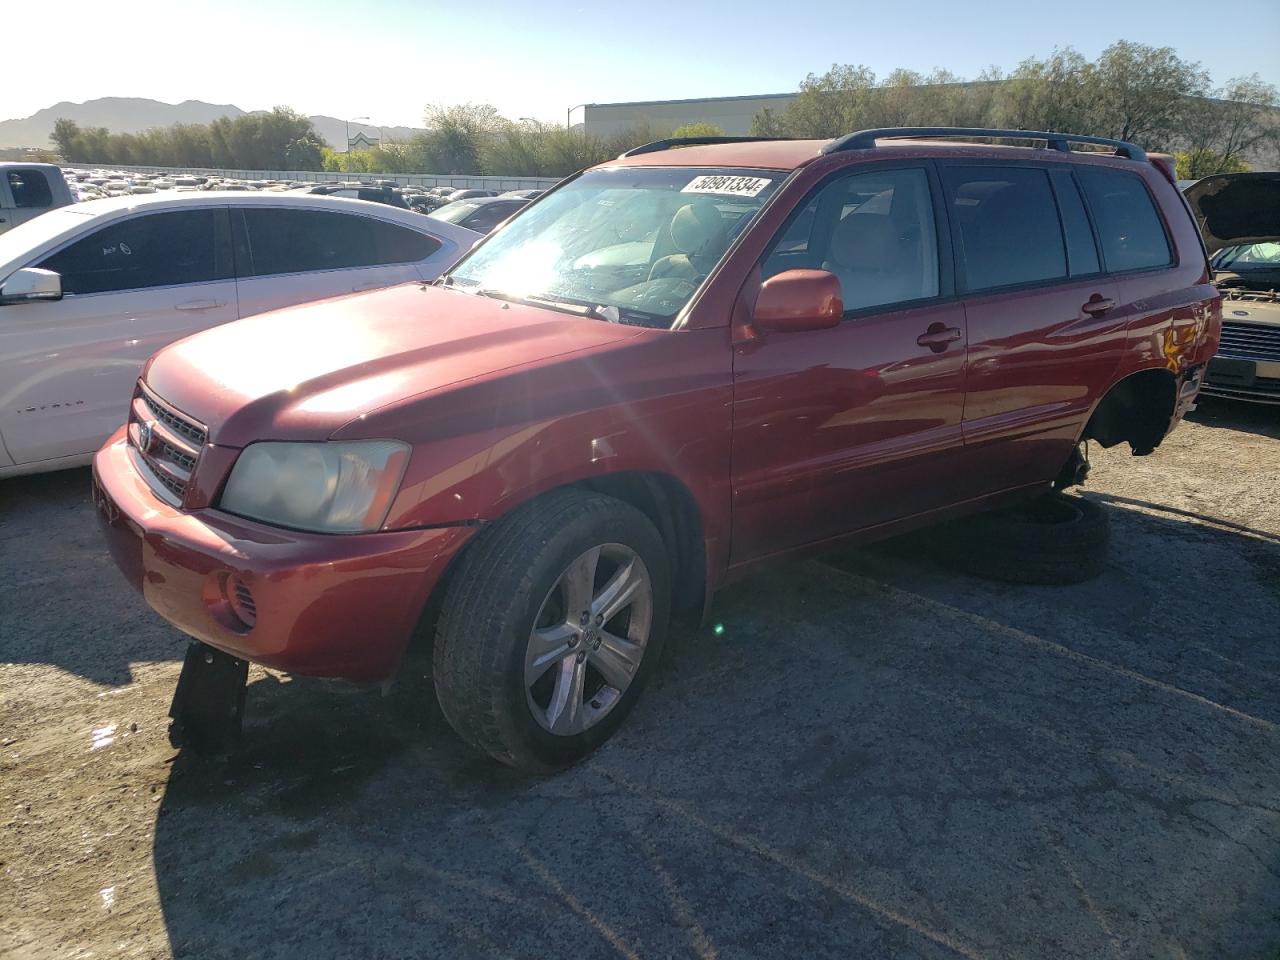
(1232, 208)
(303, 372)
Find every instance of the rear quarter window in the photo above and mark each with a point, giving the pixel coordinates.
(1129, 227)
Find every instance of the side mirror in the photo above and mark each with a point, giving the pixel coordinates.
(797, 300)
(31, 284)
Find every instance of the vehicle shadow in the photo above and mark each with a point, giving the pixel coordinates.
(55, 569)
(862, 756)
(1258, 418)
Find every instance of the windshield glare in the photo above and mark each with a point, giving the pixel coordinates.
(638, 239)
(454, 212)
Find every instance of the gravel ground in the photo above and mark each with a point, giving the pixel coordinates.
(878, 758)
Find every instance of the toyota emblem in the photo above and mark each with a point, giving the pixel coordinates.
(145, 433)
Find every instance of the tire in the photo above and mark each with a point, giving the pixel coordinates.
(524, 572)
(1056, 539)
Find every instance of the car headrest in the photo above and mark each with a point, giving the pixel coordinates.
(697, 228)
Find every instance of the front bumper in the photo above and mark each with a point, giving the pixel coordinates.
(1243, 379)
(326, 605)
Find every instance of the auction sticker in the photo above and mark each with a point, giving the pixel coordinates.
(733, 186)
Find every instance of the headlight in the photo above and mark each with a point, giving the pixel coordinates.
(323, 487)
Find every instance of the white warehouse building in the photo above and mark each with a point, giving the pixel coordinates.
(733, 115)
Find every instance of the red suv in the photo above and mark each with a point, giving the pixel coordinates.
(670, 369)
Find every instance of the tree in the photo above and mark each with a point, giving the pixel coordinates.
(1205, 163)
(66, 137)
(1217, 133)
(1140, 93)
(456, 136)
(701, 129)
(1056, 93)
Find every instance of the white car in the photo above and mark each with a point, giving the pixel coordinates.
(89, 291)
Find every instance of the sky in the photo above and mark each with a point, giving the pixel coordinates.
(387, 59)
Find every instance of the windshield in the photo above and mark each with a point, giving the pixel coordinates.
(1249, 253)
(631, 244)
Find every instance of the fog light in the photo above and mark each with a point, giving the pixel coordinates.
(240, 600)
(230, 602)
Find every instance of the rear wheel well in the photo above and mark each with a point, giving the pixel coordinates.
(1138, 410)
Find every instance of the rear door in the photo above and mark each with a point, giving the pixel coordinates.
(286, 256)
(67, 367)
(858, 425)
(1046, 324)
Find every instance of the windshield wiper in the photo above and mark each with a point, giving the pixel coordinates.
(578, 308)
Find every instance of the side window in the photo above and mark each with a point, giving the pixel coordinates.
(29, 189)
(155, 250)
(488, 217)
(1082, 252)
(1129, 228)
(1006, 225)
(794, 242)
(302, 241)
(396, 244)
(874, 231)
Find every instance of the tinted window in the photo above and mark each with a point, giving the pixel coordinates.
(396, 244)
(1082, 252)
(1006, 225)
(1128, 226)
(490, 215)
(301, 241)
(156, 250)
(874, 231)
(29, 189)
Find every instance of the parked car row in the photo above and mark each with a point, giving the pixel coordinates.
(95, 184)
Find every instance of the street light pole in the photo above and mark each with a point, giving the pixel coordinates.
(347, 127)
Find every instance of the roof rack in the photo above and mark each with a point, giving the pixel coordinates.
(659, 145)
(866, 139)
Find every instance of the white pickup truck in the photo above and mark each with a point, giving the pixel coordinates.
(28, 190)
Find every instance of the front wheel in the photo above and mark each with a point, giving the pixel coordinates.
(552, 623)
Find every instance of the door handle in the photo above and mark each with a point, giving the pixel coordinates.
(200, 304)
(938, 336)
(1098, 305)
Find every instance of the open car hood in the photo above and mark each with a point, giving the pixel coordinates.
(1233, 208)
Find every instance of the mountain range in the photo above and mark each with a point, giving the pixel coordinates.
(135, 114)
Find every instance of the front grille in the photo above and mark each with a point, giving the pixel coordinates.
(172, 419)
(165, 443)
(1249, 341)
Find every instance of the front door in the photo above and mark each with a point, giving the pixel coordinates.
(859, 425)
(67, 368)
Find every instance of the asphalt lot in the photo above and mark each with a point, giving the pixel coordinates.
(878, 758)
